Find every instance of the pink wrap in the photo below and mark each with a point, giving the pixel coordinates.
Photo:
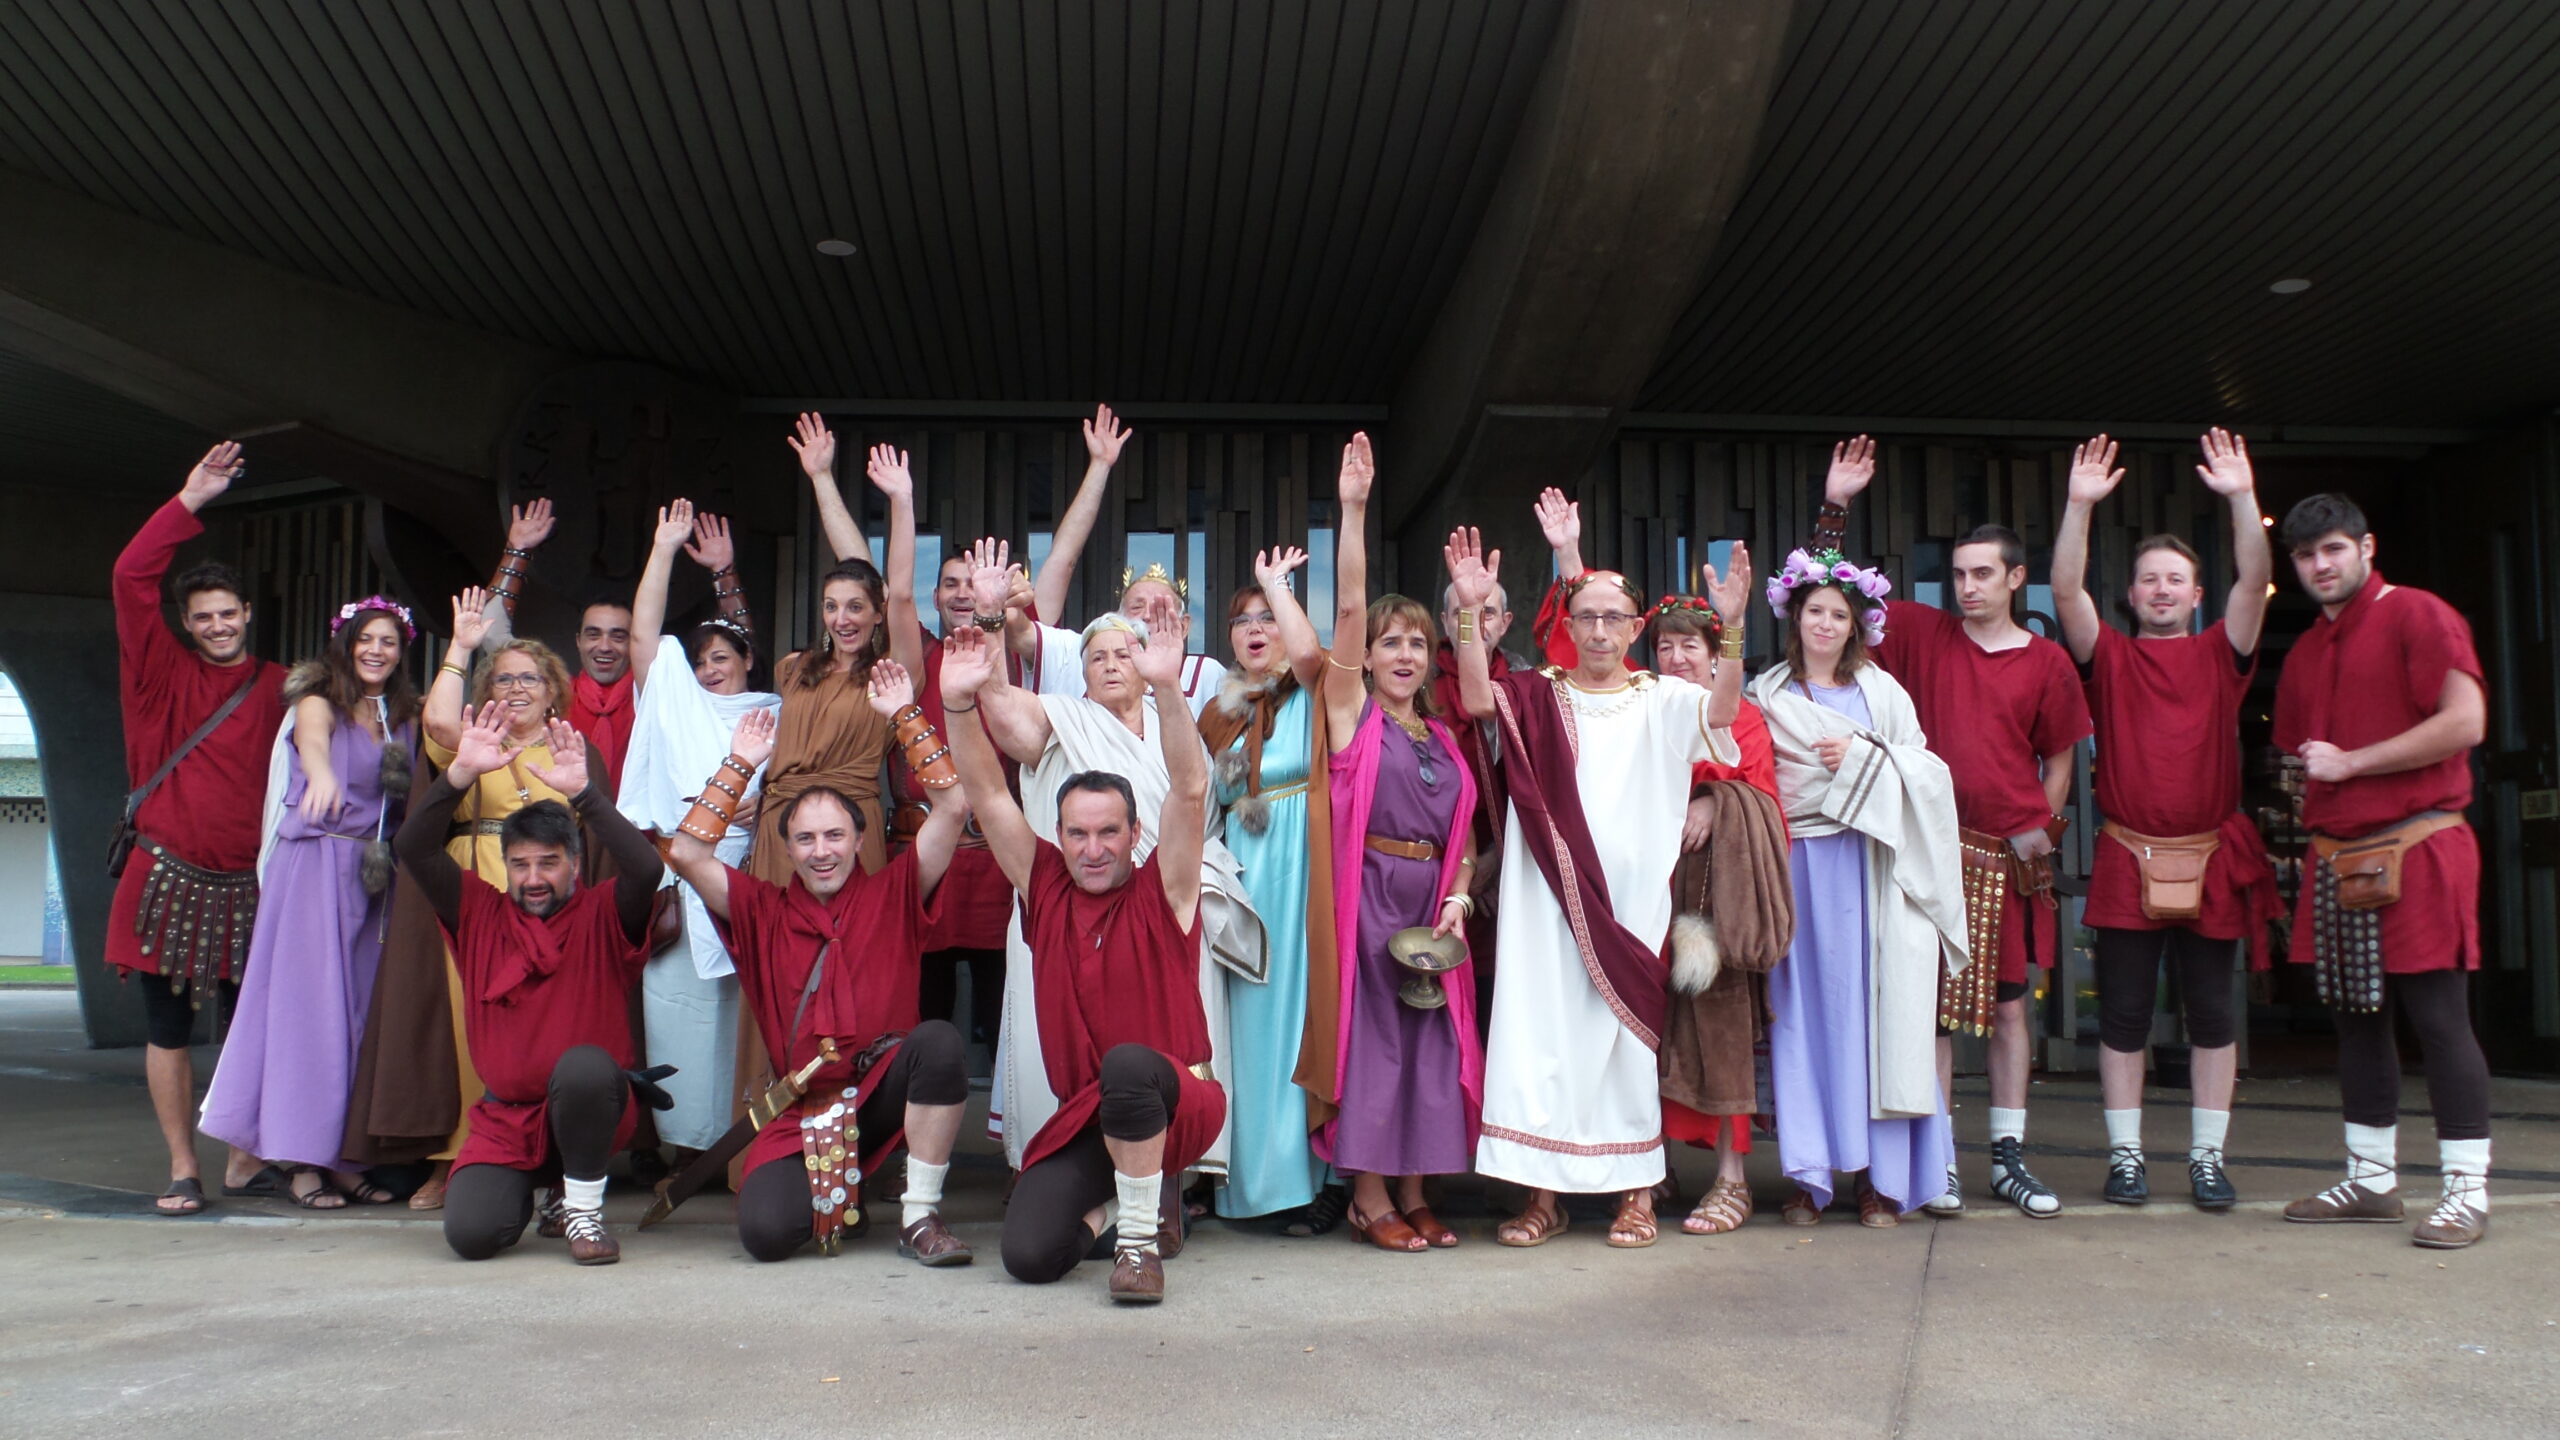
(1355, 777)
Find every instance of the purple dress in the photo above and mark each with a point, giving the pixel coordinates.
(1818, 1003)
(280, 1089)
(1403, 1112)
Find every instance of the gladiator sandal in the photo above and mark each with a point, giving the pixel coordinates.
(589, 1242)
(1951, 1202)
(1722, 1210)
(2351, 1200)
(1874, 1210)
(2128, 1179)
(2460, 1218)
(2210, 1183)
(2013, 1182)
(1634, 1227)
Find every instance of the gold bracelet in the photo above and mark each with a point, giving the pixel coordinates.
(458, 672)
(1466, 627)
(1338, 665)
(1731, 646)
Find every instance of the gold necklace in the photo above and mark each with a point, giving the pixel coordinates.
(1420, 732)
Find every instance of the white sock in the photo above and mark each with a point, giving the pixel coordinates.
(2008, 1124)
(2205, 1131)
(2377, 1145)
(2466, 1157)
(583, 1194)
(2124, 1129)
(1140, 1197)
(924, 1191)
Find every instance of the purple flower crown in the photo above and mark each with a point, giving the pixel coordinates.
(353, 608)
(1866, 588)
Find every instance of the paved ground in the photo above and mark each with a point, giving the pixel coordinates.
(2105, 1321)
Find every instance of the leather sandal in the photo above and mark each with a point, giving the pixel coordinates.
(1721, 1211)
(1800, 1210)
(1429, 1226)
(1874, 1211)
(1387, 1230)
(1634, 1226)
(1532, 1227)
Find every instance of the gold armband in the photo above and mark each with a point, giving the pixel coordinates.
(1731, 646)
(927, 757)
(1467, 626)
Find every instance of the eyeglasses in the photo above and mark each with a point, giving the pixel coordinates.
(1263, 618)
(1605, 620)
(515, 682)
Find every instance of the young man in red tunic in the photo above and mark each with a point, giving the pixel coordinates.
(1115, 954)
(2166, 701)
(2383, 700)
(193, 869)
(2002, 706)
(547, 969)
(834, 957)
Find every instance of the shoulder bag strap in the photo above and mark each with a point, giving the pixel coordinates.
(133, 802)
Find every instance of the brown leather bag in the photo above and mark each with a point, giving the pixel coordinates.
(2369, 867)
(2172, 867)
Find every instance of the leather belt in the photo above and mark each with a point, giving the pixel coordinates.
(1404, 849)
(462, 828)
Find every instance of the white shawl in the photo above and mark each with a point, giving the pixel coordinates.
(1894, 792)
(679, 734)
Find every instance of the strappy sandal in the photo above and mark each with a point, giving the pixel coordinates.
(1322, 1215)
(1642, 1229)
(270, 1180)
(1874, 1211)
(1430, 1227)
(1721, 1210)
(1533, 1227)
(1387, 1230)
(323, 1196)
(187, 1188)
(430, 1196)
(365, 1192)
(1800, 1210)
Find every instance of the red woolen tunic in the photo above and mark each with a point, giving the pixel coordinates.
(604, 714)
(2168, 764)
(211, 809)
(774, 934)
(2377, 670)
(1991, 715)
(534, 989)
(1114, 969)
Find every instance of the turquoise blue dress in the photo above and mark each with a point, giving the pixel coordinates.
(1270, 1167)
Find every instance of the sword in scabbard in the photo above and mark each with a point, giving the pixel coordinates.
(762, 1109)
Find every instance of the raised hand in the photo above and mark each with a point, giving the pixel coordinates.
(1104, 435)
(968, 662)
(529, 525)
(1730, 593)
(2094, 475)
(1560, 519)
(1359, 471)
(567, 772)
(2225, 470)
(1271, 567)
(1853, 466)
(711, 547)
(887, 467)
(471, 618)
(481, 747)
(213, 474)
(991, 574)
(1471, 570)
(1019, 593)
(675, 525)
(752, 740)
(1159, 661)
(815, 444)
(892, 688)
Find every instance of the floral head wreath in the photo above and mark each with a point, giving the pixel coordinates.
(1130, 579)
(384, 603)
(1866, 588)
(1697, 605)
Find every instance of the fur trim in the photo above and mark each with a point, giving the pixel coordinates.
(1695, 955)
(1252, 812)
(375, 869)
(1238, 692)
(395, 770)
(307, 677)
(1230, 769)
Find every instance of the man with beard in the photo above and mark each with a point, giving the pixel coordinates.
(2383, 699)
(547, 969)
(200, 717)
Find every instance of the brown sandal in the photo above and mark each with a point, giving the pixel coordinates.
(1723, 1209)
(1427, 1225)
(1800, 1210)
(1641, 1229)
(1386, 1230)
(1532, 1227)
(1874, 1211)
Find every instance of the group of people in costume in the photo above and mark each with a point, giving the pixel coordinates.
(1319, 924)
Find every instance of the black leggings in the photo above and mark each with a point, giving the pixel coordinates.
(2438, 1004)
(1044, 1231)
(929, 1068)
(169, 1016)
(938, 991)
(486, 1206)
(2129, 976)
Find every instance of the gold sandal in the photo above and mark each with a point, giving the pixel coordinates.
(1722, 1210)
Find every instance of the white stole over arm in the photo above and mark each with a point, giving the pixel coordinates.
(679, 734)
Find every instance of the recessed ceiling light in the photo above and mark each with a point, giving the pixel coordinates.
(846, 247)
(2293, 286)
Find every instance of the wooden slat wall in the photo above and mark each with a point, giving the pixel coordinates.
(301, 562)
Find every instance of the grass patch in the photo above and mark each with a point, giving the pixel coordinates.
(35, 974)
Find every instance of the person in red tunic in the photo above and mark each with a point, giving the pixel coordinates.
(1115, 953)
(833, 957)
(547, 969)
(2002, 706)
(2166, 702)
(2383, 699)
(184, 906)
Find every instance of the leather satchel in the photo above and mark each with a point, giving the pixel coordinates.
(2369, 868)
(2172, 868)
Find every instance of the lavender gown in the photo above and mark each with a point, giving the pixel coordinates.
(1818, 1002)
(280, 1089)
(1402, 1110)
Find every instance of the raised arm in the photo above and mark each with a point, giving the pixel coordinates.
(889, 473)
(893, 698)
(693, 850)
(480, 746)
(1730, 593)
(443, 714)
(1014, 716)
(815, 444)
(315, 724)
(1271, 570)
(144, 562)
(2094, 476)
(1471, 574)
(1345, 689)
(969, 660)
(1103, 437)
(1182, 826)
(713, 550)
(1853, 468)
(635, 860)
(1560, 520)
(649, 602)
(2226, 473)
(527, 527)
